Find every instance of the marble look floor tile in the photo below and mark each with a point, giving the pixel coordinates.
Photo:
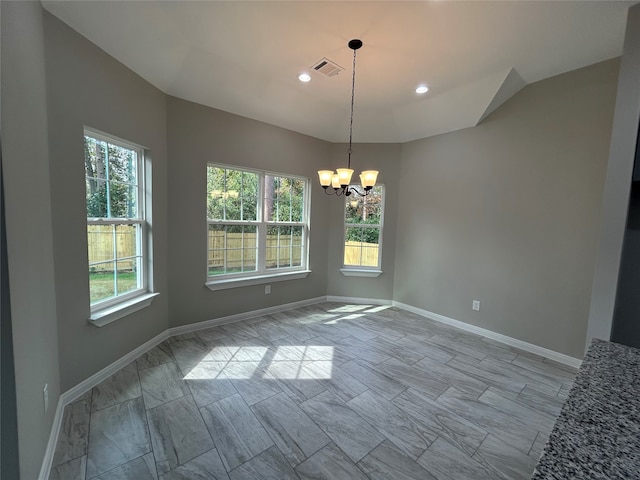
(405, 355)
(407, 433)
(414, 377)
(370, 377)
(533, 418)
(207, 383)
(538, 446)
(189, 352)
(535, 379)
(340, 383)
(268, 465)
(156, 356)
(563, 393)
(504, 459)
(495, 350)
(178, 433)
(446, 462)
(141, 468)
(161, 384)
(444, 423)
(356, 331)
(237, 433)
(387, 462)
(346, 428)
(546, 369)
(453, 377)
(248, 379)
(488, 373)
(72, 470)
(363, 350)
(423, 350)
(74, 431)
(330, 463)
(270, 330)
(207, 466)
(455, 346)
(540, 401)
(490, 418)
(286, 375)
(293, 432)
(117, 435)
(122, 385)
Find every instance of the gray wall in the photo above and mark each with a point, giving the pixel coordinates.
(386, 159)
(29, 231)
(198, 135)
(87, 87)
(507, 212)
(617, 184)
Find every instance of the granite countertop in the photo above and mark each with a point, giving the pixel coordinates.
(597, 435)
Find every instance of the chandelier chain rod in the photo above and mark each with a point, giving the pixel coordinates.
(353, 90)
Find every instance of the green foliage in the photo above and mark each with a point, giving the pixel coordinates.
(113, 169)
(231, 194)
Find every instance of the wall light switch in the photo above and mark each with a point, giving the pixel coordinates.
(476, 305)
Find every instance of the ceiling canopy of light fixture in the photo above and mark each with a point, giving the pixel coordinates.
(340, 180)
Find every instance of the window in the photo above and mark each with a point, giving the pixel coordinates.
(257, 223)
(116, 224)
(363, 222)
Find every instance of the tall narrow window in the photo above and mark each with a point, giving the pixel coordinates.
(257, 223)
(363, 222)
(116, 224)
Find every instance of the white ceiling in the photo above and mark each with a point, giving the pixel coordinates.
(244, 57)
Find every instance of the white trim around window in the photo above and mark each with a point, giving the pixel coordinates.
(257, 227)
(118, 234)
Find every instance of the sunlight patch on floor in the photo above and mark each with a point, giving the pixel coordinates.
(287, 362)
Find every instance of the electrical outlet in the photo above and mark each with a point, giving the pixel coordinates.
(45, 397)
(476, 305)
(267, 289)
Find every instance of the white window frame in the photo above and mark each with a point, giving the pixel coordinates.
(111, 309)
(362, 270)
(262, 274)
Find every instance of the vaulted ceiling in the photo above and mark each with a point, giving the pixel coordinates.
(244, 56)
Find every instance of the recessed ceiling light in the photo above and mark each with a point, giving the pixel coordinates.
(304, 77)
(422, 89)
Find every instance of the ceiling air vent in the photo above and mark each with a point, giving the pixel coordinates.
(327, 67)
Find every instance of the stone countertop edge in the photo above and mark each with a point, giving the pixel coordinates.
(597, 435)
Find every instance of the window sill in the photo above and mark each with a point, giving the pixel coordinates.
(355, 272)
(257, 280)
(116, 312)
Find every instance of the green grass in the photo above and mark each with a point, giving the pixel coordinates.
(101, 284)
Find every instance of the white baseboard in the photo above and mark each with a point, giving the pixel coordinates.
(53, 440)
(358, 300)
(512, 342)
(239, 317)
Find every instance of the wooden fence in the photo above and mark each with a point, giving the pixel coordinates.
(361, 254)
(288, 253)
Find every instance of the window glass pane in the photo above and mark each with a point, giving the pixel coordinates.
(361, 246)
(283, 247)
(101, 281)
(126, 241)
(122, 164)
(95, 158)
(231, 194)
(100, 241)
(122, 200)
(232, 249)
(365, 209)
(284, 199)
(127, 275)
(96, 198)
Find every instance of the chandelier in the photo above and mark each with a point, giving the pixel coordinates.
(340, 179)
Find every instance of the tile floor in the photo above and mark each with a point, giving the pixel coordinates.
(329, 391)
